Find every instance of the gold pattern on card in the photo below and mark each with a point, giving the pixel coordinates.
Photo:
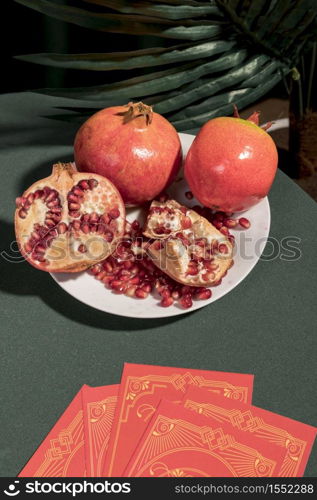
(169, 436)
(138, 387)
(63, 449)
(160, 469)
(246, 421)
(100, 418)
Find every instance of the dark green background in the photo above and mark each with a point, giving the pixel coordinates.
(51, 344)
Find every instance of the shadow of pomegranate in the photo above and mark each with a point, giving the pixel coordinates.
(20, 278)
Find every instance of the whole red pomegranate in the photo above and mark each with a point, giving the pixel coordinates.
(69, 220)
(137, 149)
(231, 164)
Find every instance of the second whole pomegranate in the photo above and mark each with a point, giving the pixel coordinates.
(231, 164)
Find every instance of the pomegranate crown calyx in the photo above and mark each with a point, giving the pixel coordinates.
(137, 109)
(254, 118)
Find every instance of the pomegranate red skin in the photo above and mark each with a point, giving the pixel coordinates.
(231, 164)
(140, 158)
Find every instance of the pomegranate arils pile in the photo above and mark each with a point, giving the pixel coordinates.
(42, 235)
(129, 271)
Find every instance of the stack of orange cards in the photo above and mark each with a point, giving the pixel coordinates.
(170, 422)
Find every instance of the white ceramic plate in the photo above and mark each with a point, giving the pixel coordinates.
(248, 249)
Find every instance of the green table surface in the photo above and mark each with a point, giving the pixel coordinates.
(52, 344)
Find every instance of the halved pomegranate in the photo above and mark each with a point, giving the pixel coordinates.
(69, 220)
(186, 245)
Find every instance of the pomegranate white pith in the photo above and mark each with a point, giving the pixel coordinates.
(187, 246)
(69, 220)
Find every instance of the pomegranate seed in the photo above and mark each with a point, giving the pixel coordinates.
(105, 219)
(94, 217)
(93, 228)
(141, 294)
(204, 294)
(217, 223)
(186, 301)
(75, 214)
(40, 248)
(22, 213)
(62, 228)
(107, 266)
(211, 266)
(185, 290)
(82, 249)
(35, 236)
(85, 227)
(51, 196)
(208, 276)
(245, 223)
(53, 203)
(28, 247)
(146, 288)
(192, 270)
(20, 201)
(230, 223)
(50, 223)
(167, 301)
(72, 197)
(136, 225)
(114, 213)
(130, 291)
(189, 195)
(135, 280)
(39, 257)
(108, 236)
(101, 275)
(92, 183)
(95, 269)
(175, 294)
(165, 293)
(30, 198)
(116, 284)
(219, 216)
(39, 194)
(83, 184)
(186, 223)
(56, 210)
(217, 283)
(128, 264)
(107, 279)
(76, 225)
(74, 206)
(78, 192)
(223, 248)
(224, 230)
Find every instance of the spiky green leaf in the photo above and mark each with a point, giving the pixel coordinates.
(131, 60)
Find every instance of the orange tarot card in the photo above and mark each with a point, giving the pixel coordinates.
(293, 438)
(181, 443)
(61, 454)
(141, 389)
(99, 405)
